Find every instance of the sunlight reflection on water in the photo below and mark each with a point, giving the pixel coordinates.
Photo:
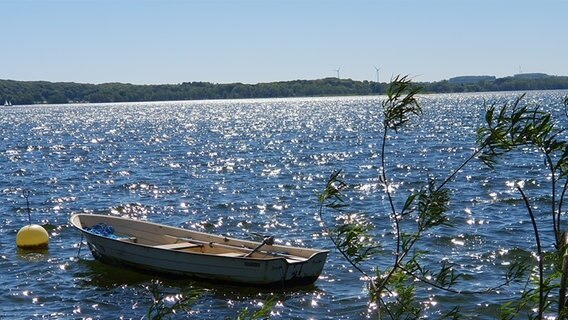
(241, 168)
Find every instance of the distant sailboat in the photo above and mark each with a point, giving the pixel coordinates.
(7, 103)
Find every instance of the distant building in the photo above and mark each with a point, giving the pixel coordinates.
(470, 79)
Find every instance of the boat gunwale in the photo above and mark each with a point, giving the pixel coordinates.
(270, 254)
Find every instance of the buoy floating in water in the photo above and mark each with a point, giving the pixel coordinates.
(32, 236)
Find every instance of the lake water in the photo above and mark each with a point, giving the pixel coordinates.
(244, 167)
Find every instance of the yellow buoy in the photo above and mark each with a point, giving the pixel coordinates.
(32, 236)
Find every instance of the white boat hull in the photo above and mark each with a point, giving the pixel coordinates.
(181, 252)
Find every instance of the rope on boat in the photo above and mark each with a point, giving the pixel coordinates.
(80, 245)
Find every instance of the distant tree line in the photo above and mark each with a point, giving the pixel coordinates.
(38, 92)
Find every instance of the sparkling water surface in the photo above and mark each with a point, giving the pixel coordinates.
(246, 167)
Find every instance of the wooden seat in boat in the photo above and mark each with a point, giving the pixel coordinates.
(178, 246)
(231, 254)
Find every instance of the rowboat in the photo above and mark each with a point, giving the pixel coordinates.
(168, 250)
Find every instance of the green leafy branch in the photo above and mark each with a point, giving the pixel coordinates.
(352, 240)
(262, 313)
(165, 305)
(507, 129)
(401, 103)
(162, 308)
(393, 289)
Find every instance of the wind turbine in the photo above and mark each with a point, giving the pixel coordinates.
(337, 70)
(377, 70)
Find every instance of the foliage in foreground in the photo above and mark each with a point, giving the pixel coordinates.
(510, 129)
(392, 290)
(164, 305)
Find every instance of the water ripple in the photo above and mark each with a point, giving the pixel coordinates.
(247, 168)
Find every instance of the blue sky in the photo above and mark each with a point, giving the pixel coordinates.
(251, 41)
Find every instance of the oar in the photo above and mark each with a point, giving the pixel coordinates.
(269, 241)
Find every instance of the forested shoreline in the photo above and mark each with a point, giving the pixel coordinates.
(40, 92)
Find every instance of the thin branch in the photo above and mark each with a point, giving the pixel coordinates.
(541, 302)
(561, 202)
(391, 201)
